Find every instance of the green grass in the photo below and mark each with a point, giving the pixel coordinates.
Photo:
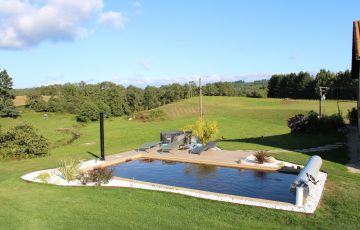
(245, 123)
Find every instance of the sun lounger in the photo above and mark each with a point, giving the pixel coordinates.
(171, 146)
(148, 145)
(197, 149)
(210, 145)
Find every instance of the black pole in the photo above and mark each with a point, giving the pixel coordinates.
(102, 145)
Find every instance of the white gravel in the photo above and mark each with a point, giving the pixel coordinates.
(310, 205)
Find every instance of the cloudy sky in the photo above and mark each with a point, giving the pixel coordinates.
(159, 42)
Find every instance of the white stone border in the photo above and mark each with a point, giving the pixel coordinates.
(310, 205)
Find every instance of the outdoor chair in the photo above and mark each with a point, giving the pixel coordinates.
(169, 147)
(148, 145)
(197, 149)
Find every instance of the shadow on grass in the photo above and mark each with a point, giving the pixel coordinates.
(93, 154)
(300, 141)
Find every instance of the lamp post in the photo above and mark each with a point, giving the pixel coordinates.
(102, 145)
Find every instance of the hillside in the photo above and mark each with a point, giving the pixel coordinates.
(245, 124)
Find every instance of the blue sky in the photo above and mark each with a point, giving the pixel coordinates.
(160, 42)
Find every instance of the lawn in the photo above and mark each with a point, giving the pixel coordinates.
(244, 123)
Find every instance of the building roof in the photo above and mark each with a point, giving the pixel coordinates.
(356, 50)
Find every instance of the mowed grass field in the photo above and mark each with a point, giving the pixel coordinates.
(245, 123)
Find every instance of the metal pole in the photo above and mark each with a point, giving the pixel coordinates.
(102, 145)
(200, 94)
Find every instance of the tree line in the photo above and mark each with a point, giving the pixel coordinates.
(87, 100)
(302, 85)
(238, 88)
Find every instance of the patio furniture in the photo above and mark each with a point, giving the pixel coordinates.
(197, 149)
(210, 145)
(148, 145)
(171, 146)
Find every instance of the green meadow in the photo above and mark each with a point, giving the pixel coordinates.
(244, 123)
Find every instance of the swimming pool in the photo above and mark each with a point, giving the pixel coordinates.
(232, 181)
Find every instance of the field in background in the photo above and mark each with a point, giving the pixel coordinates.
(21, 100)
(245, 123)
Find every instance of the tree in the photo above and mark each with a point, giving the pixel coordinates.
(134, 98)
(205, 130)
(88, 112)
(7, 108)
(36, 102)
(151, 97)
(273, 86)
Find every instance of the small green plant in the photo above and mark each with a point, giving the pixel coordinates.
(100, 175)
(69, 169)
(43, 177)
(261, 157)
(205, 130)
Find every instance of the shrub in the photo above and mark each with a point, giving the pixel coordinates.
(353, 116)
(255, 94)
(43, 177)
(69, 169)
(297, 123)
(22, 141)
(261, 157)
(152, 115)
(312, 123)
(205, 130)
(101, 175)
(88, 112)
(83, 177)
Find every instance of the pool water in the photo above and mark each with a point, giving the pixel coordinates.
(233, 181)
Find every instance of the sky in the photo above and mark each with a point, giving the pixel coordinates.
(155, 42)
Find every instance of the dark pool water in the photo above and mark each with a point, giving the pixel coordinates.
(241, 182)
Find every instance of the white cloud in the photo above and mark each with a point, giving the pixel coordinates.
(26, 23)
(137, 5)
(142, 81)
(146, 64)
(112, 18)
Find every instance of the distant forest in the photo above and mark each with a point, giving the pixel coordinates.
(117, 100)
(302, 85)
(86, 100)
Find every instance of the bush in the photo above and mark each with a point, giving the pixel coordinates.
(261, 157)
(101, 175)
(88, 112)
(205, 130)
(353, 116)
(297, 123)
(312, 123)
(22, 141)
(255, 94)
(152, 115)
(8, 111)
(69, 169)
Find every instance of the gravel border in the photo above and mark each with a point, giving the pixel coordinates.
(310, 205)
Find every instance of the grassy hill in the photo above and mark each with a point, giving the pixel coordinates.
(245, 123)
